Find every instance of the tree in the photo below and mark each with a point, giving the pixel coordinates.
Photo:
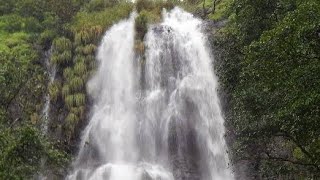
(274, 94)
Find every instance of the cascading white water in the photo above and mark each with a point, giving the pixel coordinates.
(51, 70)
(159, 120)
(183, 119)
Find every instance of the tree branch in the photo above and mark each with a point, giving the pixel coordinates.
(290, 161)
(288, 136)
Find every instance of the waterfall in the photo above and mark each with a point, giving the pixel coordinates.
(158, 119)
(183, 119)
(51, 70)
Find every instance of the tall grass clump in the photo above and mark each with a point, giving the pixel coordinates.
(62, 52)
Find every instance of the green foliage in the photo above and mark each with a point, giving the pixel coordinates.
(72, 119)
(79, 52)
(92, 63)
(22, 150)
(46, 37)
(63, 9)
(68, 73)
(27, 27)
(270, 70)
(16, 58)
(65, 91)
(141, 25)
(89, 49)
(149, 12)
(61, 45)
(54, 90)
(30, 8)
(80, 68)
(298, 154)
(82, 38)
(87, 36)
(79, 99)
(99, 5)
(76, 83)
(79, 57)
(221, 10)
(61, 59)
(13, 23)
(70, 101)
(71, 122)
(85, 20)
(143, 4)
(62, 55)
(6, 7)
(51, 21)
(154, 6)
(90, 59)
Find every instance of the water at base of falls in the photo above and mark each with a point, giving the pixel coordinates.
(157, 120)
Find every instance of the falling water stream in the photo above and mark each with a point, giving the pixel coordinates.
(158, 119)
(45, 118)
(51, 70)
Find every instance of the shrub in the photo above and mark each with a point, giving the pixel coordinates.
(92, 65)
(99, 5)
(79, 50)
(65, 90)
(79, 99)
(76, 84)
(89, 49)
(82, 38)
(153, 6)
(69, 101)
(99, 21)
(144, 5)
(62, 44)
(61, 59)
(80, 68)
(70, 124)
(54, 90)
(141, 25)
(68, 73)
(72, 119)
(90, 58)
(88, 35)
(79, 58)
(46, 37)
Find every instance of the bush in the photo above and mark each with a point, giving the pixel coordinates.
(141, 25)
(65, 91)
(76, 84)
(89, 49)
(54, 90)
(80, 99)
(62, 44)
(61, 59)
(22, 150)
(68, 73)
(144, 5)
(80, 68)
(100, 20)
(46, 38)
(69, 101)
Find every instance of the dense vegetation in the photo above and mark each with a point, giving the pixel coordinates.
(69, 30)
(267, 55)
(269, 66)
